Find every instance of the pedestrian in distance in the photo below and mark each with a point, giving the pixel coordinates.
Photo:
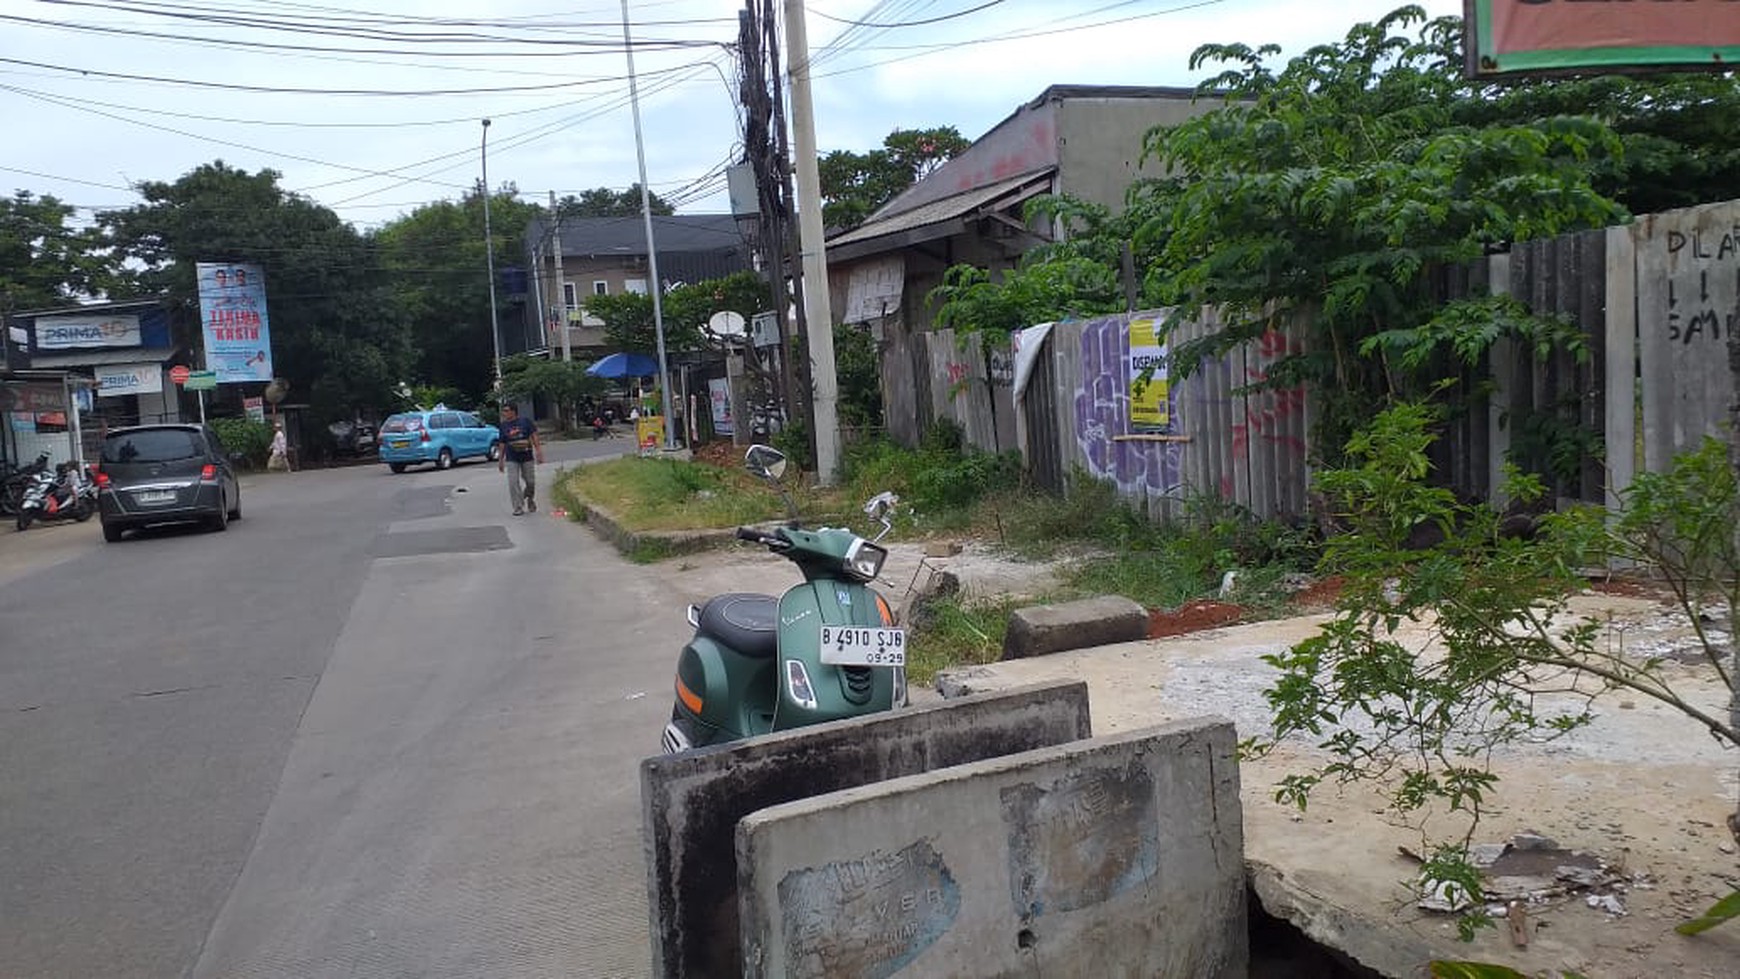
(520, 453)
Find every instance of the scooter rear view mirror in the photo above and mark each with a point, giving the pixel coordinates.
(765, 461)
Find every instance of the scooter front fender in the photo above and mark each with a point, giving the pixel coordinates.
(839, 692)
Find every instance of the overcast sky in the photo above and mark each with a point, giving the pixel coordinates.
(90, 105)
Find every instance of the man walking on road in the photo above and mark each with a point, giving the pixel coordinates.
(519, 447)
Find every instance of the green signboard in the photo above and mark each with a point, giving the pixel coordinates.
(201, 380)
(1532, 37)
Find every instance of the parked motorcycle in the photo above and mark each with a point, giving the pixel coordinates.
(827, 649)
(14, 481)
(67, 493)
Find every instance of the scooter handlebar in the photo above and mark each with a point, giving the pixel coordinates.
(758, 537)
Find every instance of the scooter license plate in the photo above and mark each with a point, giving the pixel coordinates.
(853, 645)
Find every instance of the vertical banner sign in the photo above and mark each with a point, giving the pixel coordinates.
(1149, 405)
(1520, 37)
(719, 394)
(232, 304)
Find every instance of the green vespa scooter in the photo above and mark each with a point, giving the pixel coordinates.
(826, 649)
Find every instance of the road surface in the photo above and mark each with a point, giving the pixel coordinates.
(379, 727)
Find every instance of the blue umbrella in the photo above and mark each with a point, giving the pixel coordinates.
(624, 365)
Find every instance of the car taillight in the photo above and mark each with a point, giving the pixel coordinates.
(209, 473)
(425, 435)
(101, 477)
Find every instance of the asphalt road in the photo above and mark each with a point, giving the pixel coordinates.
(380, 727)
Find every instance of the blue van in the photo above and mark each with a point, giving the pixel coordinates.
(442, 436)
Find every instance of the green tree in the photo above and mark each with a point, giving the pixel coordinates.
(562, 383)
(1677, 131)
(43, 261)
(338, 335)
(628, 317)
(856, 184)
(1507, 662)
(602, 202)
(1326, 189)
(435, 260)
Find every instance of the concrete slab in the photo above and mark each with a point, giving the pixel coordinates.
(1087, 622)
(691, 803)
(1116, 857)
(1642, 786)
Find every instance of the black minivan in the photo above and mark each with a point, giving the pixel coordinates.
(154, 474)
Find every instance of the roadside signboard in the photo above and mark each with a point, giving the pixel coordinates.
(238, 338)
(178, 374)
(201, 380)
(1535, 37)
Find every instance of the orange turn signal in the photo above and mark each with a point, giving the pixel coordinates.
(690, 698)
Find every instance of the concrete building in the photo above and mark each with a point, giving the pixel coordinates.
(1081, 140)
(581, 257)
(106, 362)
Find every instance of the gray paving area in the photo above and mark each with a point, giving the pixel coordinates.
(377, 728)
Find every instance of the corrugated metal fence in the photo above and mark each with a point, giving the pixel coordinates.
(1655, 301)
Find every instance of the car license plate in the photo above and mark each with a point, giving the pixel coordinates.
(399, 443)
(844, 645)
(155, 496)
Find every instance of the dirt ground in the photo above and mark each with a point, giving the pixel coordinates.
(1642, 788)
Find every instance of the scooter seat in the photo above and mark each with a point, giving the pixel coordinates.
(747, 623)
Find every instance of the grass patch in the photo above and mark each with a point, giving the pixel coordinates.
(668, 494)
(563, 495)
(949, 632)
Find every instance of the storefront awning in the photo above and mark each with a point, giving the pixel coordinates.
(101, 358)
(937, 219)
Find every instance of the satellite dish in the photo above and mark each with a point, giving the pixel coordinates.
(727, 324)
(276, 390)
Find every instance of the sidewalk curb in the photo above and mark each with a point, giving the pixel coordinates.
(651, 545)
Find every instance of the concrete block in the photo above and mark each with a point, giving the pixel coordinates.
(1100, 621)
(691, 802)
(1116, 857)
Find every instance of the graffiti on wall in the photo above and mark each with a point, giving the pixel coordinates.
(1250, 444)
(1102, 414)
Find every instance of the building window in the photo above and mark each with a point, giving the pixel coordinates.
(636, 286)
(569, 299)
(600, 287)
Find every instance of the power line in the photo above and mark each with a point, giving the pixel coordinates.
(604, 47)
(658, 86)
(247, 19)
(232, 86)
(70, 180)
(468, 120)
(208, 139)
(922, 50)
(907, 23)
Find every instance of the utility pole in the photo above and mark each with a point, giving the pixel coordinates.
(652, 255)
(489, 258)
(818, 312)
(561, 293)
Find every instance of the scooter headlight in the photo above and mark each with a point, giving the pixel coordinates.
(864, 560)
(797, 683)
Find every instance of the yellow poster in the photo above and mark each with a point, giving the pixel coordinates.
(649, 433)
(1150, 408)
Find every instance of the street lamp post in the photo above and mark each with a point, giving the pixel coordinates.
(652, 255)
(489, 258)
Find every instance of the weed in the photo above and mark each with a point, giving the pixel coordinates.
(950, 632)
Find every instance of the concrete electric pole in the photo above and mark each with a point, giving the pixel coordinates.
(818, 311)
